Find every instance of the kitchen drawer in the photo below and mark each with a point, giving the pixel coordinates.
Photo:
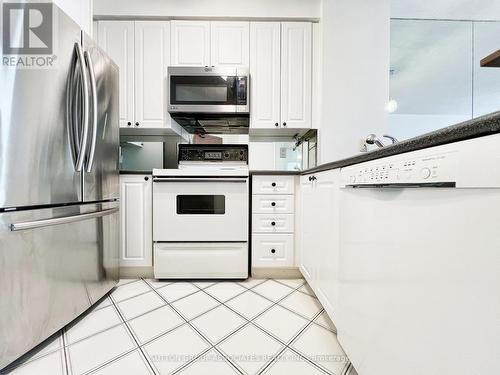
(272, 223)
(272, 250)
(273, 185)
(280, 204)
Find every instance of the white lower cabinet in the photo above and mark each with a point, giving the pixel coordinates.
(272, 250)
(319, 233)
(136, 234)
(273, 221)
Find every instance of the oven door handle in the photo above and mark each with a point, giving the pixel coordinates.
(176, 179)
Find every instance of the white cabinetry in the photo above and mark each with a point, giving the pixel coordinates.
(152, 57)
(265, 70)
(136, 203)
(281, 74)
(141, 49)
(190, 43)
(210, 43)
(296, 74)
(230, 43)
(117, 39)
(319, 234)
(273, 224)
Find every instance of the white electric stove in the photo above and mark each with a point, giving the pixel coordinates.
(200, 214)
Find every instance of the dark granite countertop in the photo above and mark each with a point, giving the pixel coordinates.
(478, 127)
(135, 172)
(268, 172)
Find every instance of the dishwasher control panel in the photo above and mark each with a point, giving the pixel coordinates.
(410, 169)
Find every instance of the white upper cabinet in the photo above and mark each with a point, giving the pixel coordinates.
(190, 43)
(296, 74)
(230, 43)
(141, 49)
(117, 39)
(265, 63)
(281, 74)
(152, 57)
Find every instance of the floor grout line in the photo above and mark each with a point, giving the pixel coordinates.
(134, 338)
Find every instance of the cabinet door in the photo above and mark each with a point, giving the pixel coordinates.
(272, 250)
(326, 201)
(136, 243)
(117, 39)
(307, 226)
(230, 43)
(296, 74)
(152, 57)
(265, 74)
(190, 43)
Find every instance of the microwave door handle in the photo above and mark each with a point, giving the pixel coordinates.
(93, 91)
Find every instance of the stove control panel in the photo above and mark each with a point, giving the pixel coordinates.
(213, 153)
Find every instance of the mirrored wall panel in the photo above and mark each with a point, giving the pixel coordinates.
(435, 77)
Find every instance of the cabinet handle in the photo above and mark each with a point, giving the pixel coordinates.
(129, 123)
(146, 178)
(276, 124)
(284, 124)
(273, 251)
(273, 223)
(136, 124)
(273, 204)
(273, 184)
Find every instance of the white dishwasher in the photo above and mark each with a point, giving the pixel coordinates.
(419, 287)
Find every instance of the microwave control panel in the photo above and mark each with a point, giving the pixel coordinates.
(213, 153)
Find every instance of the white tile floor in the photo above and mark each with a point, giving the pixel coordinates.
(267, 327)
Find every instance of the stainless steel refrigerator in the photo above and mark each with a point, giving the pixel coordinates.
(59, 188)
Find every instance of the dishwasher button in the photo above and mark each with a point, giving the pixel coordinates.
(425, 173)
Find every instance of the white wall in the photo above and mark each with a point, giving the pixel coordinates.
(204, 8)
(355, 74)
(79, 10)
(447, 9)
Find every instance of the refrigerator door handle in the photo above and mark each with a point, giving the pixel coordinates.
(85, 110)
(60, 220)
(93, 91)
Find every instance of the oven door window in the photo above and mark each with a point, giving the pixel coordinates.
(203, 90)
(201, 204)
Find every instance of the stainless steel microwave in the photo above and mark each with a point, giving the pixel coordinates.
(208, 90)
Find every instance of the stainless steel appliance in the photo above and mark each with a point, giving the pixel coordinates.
(200, 214)
(208, 90)
(209, 99)
(58, 189)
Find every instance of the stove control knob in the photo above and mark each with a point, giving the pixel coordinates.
(226, 155)
(425, 173)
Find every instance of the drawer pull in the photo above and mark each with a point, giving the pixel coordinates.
(273, 204)
(273, 184)
(273, 251)
(273, 223)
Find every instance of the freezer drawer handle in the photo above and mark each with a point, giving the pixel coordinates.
(61, 220)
